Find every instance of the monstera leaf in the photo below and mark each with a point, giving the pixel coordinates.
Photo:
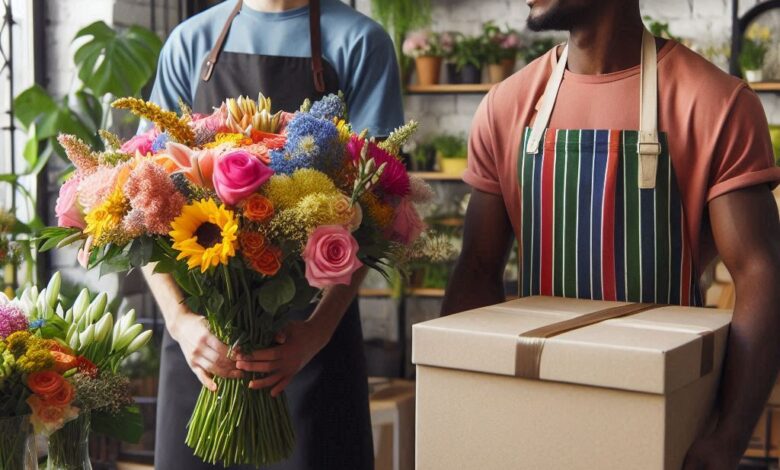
(116, 62)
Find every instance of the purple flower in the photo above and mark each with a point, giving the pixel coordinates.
(12, 319)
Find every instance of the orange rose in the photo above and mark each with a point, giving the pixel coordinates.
(45, 383)
(64, 397)
(54, 345)
(48, 418)
(258, 208)
(252, 243)
(271, 141)
(63, 362)
(268, 262)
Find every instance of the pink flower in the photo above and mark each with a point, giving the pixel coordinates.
(142, 143)
(510, 41)
(12, 319)
(394, 179)
(407, 225)
(330, 256)
(196, 165)
(95, 187)
(284, 120)
(83, 255)
(237, 175)
(206, 126)
(69, 211)
(154, 199)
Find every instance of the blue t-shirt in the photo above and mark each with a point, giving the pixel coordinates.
(358, 48)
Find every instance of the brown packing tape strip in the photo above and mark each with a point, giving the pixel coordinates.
(531, 343)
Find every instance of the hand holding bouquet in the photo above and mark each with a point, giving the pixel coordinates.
(253, 213)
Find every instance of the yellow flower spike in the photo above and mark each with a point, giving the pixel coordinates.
(205, 234)
(166, 121)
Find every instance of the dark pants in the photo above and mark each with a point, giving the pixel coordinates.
(328, 402)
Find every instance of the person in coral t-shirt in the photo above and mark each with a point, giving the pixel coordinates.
(623, 164)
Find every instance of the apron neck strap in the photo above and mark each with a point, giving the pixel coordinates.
(316, 45)
(648, 146)
(213, 57)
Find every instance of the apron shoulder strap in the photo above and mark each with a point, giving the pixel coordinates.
(316, 45)
(648, 146)
(211, 60)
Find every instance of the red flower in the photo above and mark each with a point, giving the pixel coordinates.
(86, 367)
(394, 180)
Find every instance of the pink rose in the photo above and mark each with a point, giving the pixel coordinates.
(142, 143)
(330, 256)
(407, 225)
(237, 175)
(69, 211)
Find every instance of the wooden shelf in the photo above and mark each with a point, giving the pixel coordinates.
(436, 176)
(409, 293)
(766, 86)
(448, 221)
(478, 89)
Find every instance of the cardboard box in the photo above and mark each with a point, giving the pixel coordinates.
(631, 392)
(392, 419)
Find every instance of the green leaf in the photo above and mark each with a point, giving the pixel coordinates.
(119, 63)
(140, 252)
(91, 106)
(276, 293)
(184, 280)
(9, 178)
(127, 425)
(31, 103)
(165, 265)
(114, 264)
(30, 151)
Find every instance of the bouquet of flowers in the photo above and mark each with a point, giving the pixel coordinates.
(253, 213)
(57, 366)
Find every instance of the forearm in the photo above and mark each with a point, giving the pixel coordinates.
(335, 302)
(752, 357)
(168, 295)
(467, 291)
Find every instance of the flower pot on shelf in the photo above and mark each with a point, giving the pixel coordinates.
(428, 70)
(471, 75)
(453, 75)
(509, 67)
(753, 76)
(452, 165)
(496, 73)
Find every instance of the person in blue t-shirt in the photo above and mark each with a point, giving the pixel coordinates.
(289, 50)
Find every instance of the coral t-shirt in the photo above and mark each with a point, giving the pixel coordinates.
(716, 127)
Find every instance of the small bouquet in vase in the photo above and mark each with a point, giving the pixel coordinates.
(253, 213)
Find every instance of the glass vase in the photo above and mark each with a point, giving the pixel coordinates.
(17, 444)
(69, 446)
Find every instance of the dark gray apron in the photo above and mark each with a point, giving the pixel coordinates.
(329, 397)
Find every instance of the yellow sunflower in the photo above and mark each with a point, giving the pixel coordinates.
(205, 234)
(104, 222)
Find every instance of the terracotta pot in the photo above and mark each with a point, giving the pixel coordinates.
(509, 67)
(428, 70)
(496, 73)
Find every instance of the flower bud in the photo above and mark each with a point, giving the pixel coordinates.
(87, 336)
(81, 303)
(53, 289)
(104, 327)
(139, 342)
(127, 337)
(98, 307)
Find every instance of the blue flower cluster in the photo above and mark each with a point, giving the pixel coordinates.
(329, 107)
(311, 143)
(160, 141)
(39, 323)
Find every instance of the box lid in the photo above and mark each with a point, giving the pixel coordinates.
(656, 351)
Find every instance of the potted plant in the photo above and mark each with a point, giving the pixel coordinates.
(399, 17)
(754, 49)
(423, 157)
(537, 48)
(451, 152)
(428, 52)
(469, 57)
(501, 49)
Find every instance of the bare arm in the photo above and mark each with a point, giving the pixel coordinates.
(747, 232)
(477, 280)
(205, 354)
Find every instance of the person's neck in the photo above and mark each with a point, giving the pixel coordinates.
(611, 42)
(275, 6)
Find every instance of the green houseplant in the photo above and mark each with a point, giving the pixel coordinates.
(754, 49)
(451, 152)
(399, 17)
(501, 49)
(428, 49)
(469, 58)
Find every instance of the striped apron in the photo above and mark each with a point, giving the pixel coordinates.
(602, 216)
